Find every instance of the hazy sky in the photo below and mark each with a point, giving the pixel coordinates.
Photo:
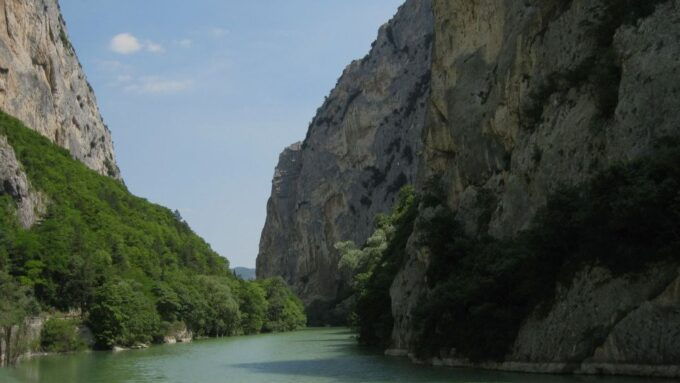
(202, 96)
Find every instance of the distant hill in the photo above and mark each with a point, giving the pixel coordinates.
(244, 272)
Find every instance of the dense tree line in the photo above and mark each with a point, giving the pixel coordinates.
(480, 289)
(132, 268)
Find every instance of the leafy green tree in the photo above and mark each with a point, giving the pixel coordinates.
(215, 311)
(253, 306)
(122, 315)
(285, 311)
(371, 268)
(168, 302)
(16, 304)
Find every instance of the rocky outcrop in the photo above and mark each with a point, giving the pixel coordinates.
(361, 148)
(179, 334)
(43, 84)
(519, 99)
(279, 227)
(23, 341)
(30, 203)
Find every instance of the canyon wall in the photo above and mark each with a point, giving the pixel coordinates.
(512, 101)
(42, 83)
(363, 145)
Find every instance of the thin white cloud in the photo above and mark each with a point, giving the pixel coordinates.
(110, 65)
(158, 85)
(123, 78)
(218, 32)
(185, 43)
(154, 47)
(125, 44)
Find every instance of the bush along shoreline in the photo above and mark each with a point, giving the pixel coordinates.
(480, 289)
(135, 271)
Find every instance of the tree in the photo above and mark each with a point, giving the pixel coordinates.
(221, 312)
(16, 304)
(122, 315)
(285, 311)
(253, 306)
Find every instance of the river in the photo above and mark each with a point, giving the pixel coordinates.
(313, 355)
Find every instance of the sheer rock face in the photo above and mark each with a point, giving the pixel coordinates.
(363, 145)
(43, 84)
(30, 203)
(530, 95)
(519, 97)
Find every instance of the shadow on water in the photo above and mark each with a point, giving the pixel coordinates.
(369, 369)
(334, 340)
(337, 332)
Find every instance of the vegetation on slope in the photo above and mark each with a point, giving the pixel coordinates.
(373, 267)
(132, 268)
(482, 288)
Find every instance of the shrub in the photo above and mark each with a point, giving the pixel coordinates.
(61, 335)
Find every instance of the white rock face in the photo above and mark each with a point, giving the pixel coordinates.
(43, 84)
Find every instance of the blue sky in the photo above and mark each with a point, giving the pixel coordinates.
(202, 96)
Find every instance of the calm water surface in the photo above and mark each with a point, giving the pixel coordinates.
(315, 355)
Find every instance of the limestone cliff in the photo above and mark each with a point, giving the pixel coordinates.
(518, 98)
(363, 145)
(527, 96)
(43, 84)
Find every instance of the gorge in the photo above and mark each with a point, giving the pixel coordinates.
(494, 187)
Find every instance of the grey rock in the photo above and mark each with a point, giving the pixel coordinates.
(42, 83)
(361, 147)
(31, 204)
(518, 98)
(23, 339)
(597, 306)
(528, 96)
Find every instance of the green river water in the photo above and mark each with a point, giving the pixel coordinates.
(314, 355)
